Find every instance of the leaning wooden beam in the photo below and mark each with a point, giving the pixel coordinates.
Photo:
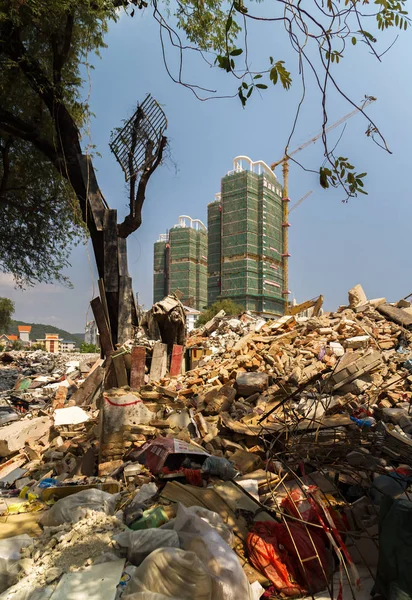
(398, 315)
(102, 326)
(120, 369)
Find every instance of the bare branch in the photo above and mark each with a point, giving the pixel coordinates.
(134, 220)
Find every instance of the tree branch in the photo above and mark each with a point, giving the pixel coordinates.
(61, 54)
(16, 127)
(6, 165)
(134, 220)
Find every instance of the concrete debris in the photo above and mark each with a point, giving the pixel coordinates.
(268, 427)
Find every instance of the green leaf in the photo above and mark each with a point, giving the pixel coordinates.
(258, 76)
(245, 85)
(229, 23)
(261, 86)
(354, 41)
(274, 75)
(236, 52)
(323, 179)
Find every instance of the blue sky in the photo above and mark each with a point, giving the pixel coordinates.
(333, 245)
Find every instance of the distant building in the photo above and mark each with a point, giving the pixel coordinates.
(51, 342)
(180, 263)
(245, 240)
(24, 333)
(91, 334)
(192, 316)
(67, 346)
(7, 340)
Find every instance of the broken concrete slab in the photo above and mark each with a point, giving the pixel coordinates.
(250, 383)
(14, 436)
(357, 296)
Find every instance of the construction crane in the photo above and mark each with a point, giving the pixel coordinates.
(299, 202)
(285, 170)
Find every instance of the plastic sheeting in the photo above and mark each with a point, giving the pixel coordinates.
(73, 508)
(141, 543)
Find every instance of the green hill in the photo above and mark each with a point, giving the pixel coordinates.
(38, 331)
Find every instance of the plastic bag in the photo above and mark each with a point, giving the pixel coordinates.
(215, 521)
(274, 549)
(140, 544)
(297, 505)
(229, 581)
(135, 509)
(173, 573)
(74, 508)
(220, 467)
(149, 596)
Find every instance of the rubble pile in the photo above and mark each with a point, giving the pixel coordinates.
(285, 447)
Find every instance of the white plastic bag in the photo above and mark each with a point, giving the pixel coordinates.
(215, 521)
(229, 581)
(141, 543)
(74, 507)
(173, 573)
(148, 596)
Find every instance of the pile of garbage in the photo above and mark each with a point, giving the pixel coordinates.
(278, 463)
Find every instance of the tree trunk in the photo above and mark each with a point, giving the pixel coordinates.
(110, 251)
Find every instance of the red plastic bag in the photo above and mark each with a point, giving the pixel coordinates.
(297, 505)
(287, 556)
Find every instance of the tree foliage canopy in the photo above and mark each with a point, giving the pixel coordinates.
(44, 44)
(6, 312)
(230, 308)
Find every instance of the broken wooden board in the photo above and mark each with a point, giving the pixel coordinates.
(84, 394)
(137, 367)
(267, 428)
(159, 361)
(120, 370)
(102, 326)
(398, 315)
(176, 360)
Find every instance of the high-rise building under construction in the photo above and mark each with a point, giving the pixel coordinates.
(180, 263)
(245, 237)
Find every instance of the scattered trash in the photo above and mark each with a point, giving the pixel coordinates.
(260, 465)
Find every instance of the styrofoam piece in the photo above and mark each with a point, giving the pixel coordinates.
(72, 415)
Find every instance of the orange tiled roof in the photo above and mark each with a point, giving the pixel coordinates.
(12, 338)
(22, 328)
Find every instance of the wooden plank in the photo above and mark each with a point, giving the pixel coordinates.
(102, 326)
(102, 292)
(94, 195)
(111, 264)
(176, 361)
(159, 361)
(137, 367)
(124, 328)
(398, 315)
(86, 391)
(120, 369)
